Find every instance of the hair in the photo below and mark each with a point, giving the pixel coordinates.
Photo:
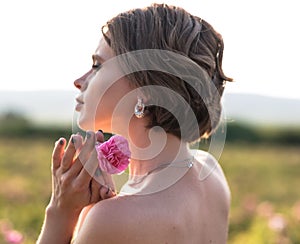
(171, 28)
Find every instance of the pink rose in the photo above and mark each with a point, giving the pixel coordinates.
(14, 237)
(113, 155)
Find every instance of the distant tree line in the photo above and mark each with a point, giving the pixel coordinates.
(16, 125)
(239, 133)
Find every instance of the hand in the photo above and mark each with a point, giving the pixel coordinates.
(74, 186)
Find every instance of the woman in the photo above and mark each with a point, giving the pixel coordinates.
(157, 80)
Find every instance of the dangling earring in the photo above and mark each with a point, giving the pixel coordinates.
(139, 109)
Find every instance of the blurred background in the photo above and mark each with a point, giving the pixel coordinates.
(46, 45)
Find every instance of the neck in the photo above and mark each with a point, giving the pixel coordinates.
(151, 148)
(152, 152)
(154, 148)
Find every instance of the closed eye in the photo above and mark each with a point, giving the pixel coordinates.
(97, 62)
(96, 66)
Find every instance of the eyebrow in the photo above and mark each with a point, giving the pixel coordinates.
(98, 58)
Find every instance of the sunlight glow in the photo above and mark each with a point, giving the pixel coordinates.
(48, 44)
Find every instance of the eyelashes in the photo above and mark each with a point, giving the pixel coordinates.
(96, 66)
(97, 62)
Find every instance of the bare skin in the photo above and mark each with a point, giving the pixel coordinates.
(188, 211)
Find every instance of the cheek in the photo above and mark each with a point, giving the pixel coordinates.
(88, 114)
(113, 110)
(104, 108)
(110, 97)
(103, 100)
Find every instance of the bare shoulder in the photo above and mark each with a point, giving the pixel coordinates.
(213, 179)
(133, 219)
(208, 179)
(112, 221)
(210, 173)
(193, 210)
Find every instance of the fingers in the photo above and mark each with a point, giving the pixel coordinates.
(65, 159)
(75, 178)
(100, 136)
(90, 167)
(58, 153)
(70, 152)
(83, 159)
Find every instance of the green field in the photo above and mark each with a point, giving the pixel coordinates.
(264, 181)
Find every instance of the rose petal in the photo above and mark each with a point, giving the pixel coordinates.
(113, 155)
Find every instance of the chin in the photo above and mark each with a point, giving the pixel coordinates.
(85, 124)
(90, 124)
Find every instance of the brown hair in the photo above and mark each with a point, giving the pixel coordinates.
(172, 28)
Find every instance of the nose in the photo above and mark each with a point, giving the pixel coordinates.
(82, 82)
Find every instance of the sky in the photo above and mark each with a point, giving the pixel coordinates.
(48, 44)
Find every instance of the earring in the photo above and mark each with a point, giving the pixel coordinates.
(139, 109)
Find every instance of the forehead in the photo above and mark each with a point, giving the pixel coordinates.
(104, 50)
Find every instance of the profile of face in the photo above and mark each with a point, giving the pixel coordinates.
(105, 95)
(107, 98)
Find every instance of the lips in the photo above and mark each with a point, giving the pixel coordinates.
(79, 101)
(79, 104)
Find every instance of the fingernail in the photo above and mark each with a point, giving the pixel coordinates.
(101, 131)
(108, 189)
(88, 135)
(61, 142)
(73, 140)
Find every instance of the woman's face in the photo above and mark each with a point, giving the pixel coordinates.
(101, 91)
